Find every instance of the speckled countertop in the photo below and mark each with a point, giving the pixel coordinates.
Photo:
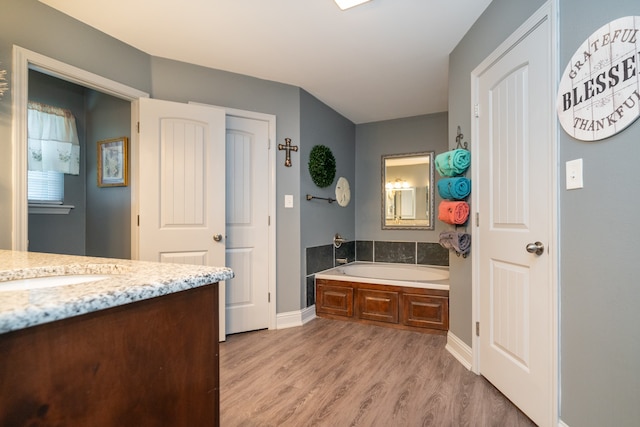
(130, 281)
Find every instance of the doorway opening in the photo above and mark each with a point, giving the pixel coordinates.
(23, 61)
(91, 220)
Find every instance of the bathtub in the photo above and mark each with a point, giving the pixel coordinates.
(402, 296)
(407, 275)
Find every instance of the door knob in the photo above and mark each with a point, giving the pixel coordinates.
(535, 248)
(217, 237)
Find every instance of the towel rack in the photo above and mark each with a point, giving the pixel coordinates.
(328, 199)
(459, 143)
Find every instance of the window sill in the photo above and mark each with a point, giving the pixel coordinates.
(42, 208)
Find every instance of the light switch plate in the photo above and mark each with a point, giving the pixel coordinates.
(288, 200)
(574, 174)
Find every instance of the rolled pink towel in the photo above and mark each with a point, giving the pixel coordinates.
(451, 212)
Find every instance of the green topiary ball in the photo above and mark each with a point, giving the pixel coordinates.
(322, 166)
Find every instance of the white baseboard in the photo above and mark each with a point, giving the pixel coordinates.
(562, 424)
(461, 351)
(308, 314)
(292, 319)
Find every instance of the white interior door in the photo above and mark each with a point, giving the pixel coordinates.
(514, 187)
(247, 228)
(181, 203)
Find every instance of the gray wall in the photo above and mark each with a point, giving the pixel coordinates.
(108, 208)
(599, 276)
(373, 140)
(499, 20)
(319, 220)
(63, 234)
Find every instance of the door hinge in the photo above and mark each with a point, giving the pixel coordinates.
(269, 220)
(477, 329)
(476, 110)
(138, 126)
(138, 220)
(268, 296)
(477, 219)
(268, 144)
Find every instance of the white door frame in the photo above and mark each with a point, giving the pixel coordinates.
(271, 119)
(23, 60)
(548, 11)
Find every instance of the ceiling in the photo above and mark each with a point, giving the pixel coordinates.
(382, 60)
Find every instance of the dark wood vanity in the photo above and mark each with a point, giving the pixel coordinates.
(419, 309)
(147, 363)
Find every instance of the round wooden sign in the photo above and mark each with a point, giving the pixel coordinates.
(599, 94)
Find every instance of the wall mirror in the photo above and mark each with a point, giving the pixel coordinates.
(407, 191)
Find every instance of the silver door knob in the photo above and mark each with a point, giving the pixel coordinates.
(535, 248)
(217, 237)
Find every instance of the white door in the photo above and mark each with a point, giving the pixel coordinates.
(515, 188)
(247, 229)
(181, 192)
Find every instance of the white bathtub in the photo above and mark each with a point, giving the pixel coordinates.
(409, 275)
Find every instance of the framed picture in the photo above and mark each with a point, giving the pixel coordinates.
(112, 162)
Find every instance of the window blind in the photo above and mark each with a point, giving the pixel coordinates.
(45, 186)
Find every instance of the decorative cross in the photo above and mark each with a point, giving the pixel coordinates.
(289, 148)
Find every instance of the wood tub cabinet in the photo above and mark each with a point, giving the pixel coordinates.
(418, 309)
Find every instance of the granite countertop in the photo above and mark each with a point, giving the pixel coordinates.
(129, 281)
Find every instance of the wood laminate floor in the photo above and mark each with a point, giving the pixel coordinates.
(334, 373)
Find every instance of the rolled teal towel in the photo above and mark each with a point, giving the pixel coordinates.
(454, 188)
(454, 162)
(460, 160)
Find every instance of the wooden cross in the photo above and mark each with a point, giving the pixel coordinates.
(289, 148)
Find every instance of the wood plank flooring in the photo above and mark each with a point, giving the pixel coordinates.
(334, 373)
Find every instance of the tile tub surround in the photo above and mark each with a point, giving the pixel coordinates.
(132, 281)
(346, 251)
(395, 252)
(364, 250)
(432, 254)
(311, 290)
(320, 258)
(402, 252)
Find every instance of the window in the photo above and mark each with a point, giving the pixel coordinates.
(45, 187)
(53, 151)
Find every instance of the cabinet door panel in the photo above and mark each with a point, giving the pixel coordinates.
(381, 306)
(425, 311)
(336, 300)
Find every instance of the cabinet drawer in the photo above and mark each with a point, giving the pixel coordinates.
(425, 311)
(336, 300)
(381, 306)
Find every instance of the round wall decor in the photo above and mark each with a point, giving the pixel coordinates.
(322, 166)
(343, 192)
(599, 94)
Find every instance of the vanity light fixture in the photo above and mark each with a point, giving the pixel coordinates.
(399, 183)
(346, 4)
(4, 86)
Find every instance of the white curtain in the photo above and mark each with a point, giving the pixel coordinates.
(52, 140)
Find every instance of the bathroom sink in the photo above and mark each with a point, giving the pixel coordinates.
(49, 281)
